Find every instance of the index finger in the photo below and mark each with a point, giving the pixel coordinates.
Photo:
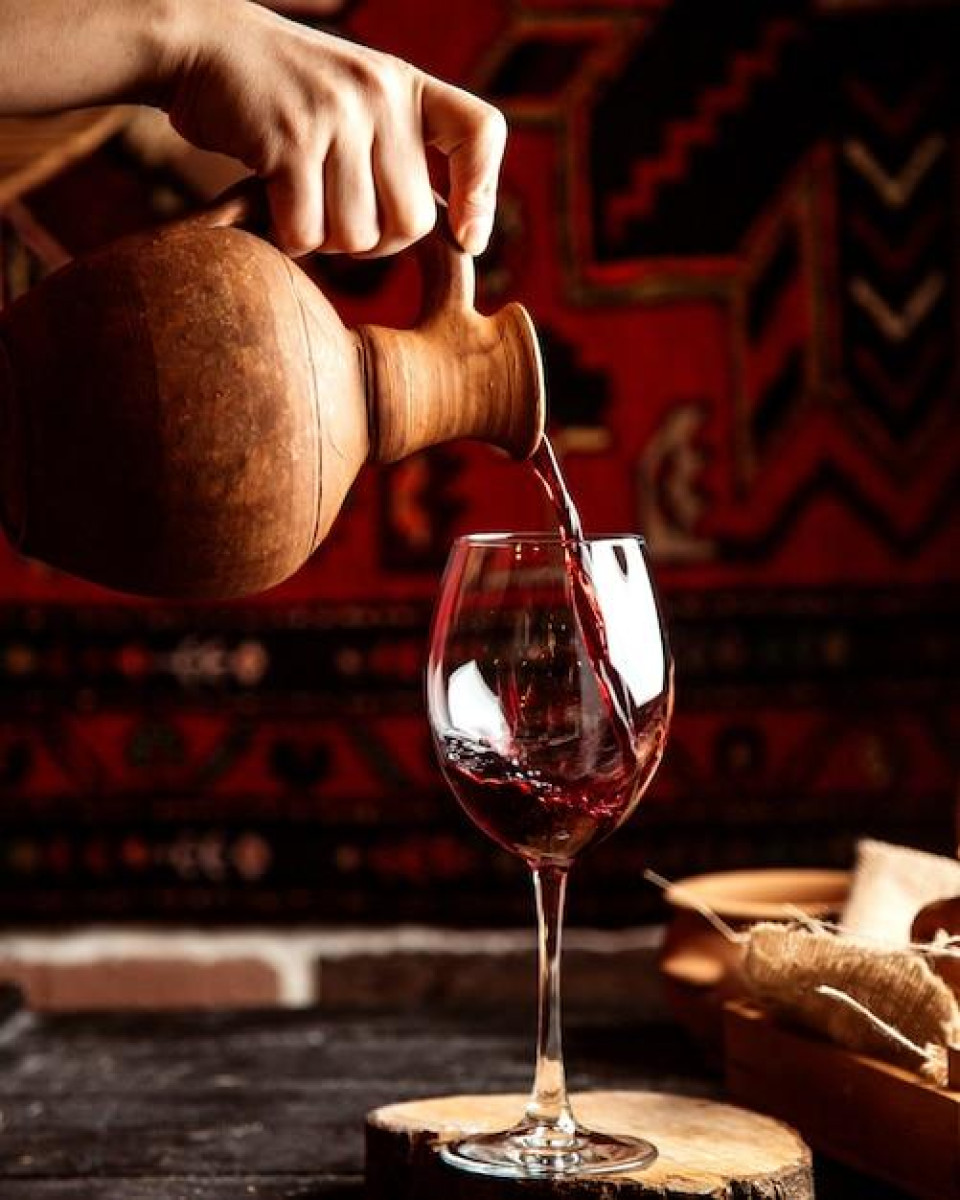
(473, 136)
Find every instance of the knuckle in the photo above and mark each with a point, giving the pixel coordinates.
(299, 234)
(287, 128)
(424, 221)
(483, 192)
(412, 225)
(371, 81)
(480, 198)
(359, 241)
(382, 249)
(348, 109)
(393, 74)
(298, 242)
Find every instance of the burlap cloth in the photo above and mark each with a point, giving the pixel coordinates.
(885, 1002)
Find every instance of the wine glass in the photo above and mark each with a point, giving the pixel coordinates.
(549, 690)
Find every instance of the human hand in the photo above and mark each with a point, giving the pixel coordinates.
(339, 131)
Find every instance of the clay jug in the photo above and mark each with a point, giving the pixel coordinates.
(182, 412)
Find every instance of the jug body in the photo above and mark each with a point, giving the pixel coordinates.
(161, 410)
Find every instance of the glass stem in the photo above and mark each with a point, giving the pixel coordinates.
(548, 1106)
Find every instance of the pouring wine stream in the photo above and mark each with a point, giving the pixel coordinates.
(582, 592)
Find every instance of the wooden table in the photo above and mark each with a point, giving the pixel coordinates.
(270, 1105)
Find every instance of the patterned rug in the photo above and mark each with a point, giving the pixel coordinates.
(737, 228)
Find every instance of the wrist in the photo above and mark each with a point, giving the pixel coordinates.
(175, 38)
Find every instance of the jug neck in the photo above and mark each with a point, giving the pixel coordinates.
(467, 376)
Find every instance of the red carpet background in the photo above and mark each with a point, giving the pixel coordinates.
(736, 227)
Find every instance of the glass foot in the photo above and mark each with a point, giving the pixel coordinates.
(530, 1151)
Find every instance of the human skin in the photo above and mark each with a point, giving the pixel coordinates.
(340, 132)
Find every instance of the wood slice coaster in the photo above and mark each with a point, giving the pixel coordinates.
(705, 1150)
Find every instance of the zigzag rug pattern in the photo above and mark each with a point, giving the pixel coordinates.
(734, 225)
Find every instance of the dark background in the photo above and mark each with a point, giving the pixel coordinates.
(736, 228)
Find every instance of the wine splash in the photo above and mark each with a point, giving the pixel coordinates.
(551, 817)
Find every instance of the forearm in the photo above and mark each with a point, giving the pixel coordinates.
(57, 54)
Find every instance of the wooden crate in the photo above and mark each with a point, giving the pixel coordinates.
(877, 1118)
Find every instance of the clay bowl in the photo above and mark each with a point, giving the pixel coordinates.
(700, 967)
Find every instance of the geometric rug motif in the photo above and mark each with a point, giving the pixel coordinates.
(736, 229)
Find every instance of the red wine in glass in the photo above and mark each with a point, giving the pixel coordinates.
(552, 820)
(549, 691)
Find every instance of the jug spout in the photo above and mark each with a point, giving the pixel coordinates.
(459, 375)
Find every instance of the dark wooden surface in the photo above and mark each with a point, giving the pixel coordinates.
(270, 1106)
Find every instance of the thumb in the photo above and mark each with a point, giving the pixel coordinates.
(473, 135)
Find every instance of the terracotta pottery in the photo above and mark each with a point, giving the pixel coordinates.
(699, 966)
(182, 412)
